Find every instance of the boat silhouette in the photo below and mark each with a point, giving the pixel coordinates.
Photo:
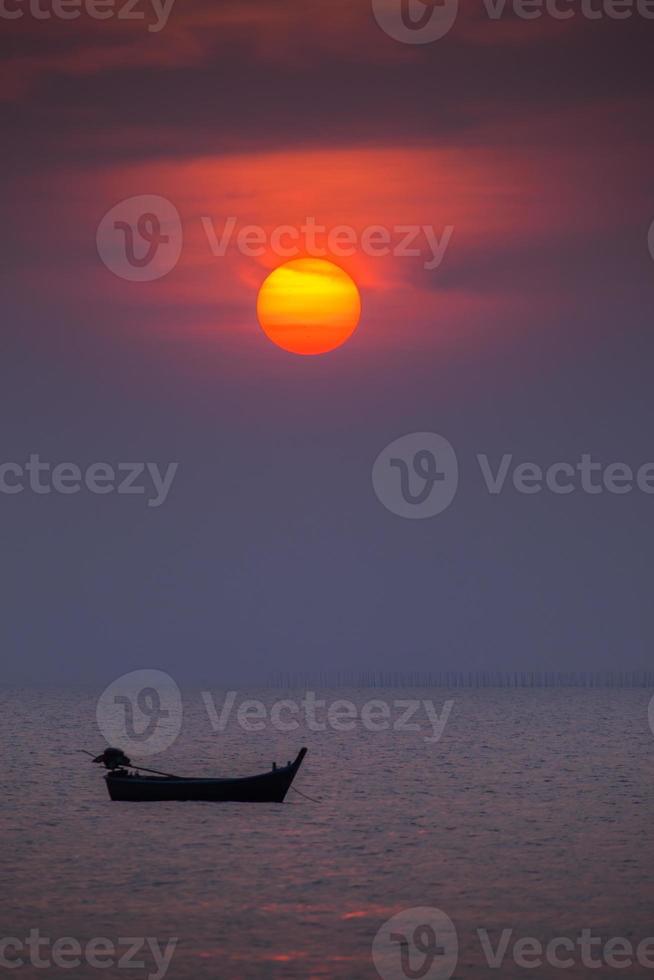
(127, 782)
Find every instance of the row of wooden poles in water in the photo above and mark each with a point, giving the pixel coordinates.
(295, 680)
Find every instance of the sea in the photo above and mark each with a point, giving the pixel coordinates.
(459, 833)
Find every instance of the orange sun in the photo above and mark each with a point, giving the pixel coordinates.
(308, 306)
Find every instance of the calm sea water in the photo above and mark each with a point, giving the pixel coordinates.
(532, 813)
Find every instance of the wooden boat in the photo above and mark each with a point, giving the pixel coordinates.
(126, 785)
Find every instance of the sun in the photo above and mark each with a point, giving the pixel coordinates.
(308, 306)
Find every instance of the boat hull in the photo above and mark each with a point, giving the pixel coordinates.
(268, 787)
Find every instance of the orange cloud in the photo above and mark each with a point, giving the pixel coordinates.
(498, 205)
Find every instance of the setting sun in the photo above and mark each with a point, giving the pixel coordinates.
(309, 306)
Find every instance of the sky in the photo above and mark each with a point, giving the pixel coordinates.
(523, 146)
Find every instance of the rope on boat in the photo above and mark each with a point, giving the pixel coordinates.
(300, 793)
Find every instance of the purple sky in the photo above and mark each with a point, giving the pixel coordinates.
(530, 138)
